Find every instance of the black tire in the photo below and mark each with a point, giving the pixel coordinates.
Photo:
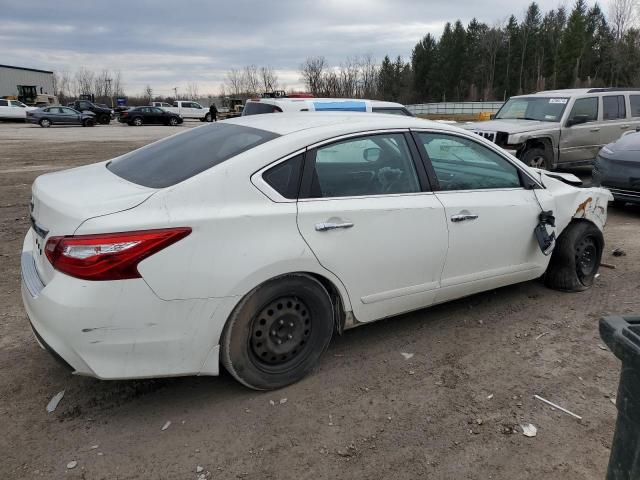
(576, 257)
(173, 121)
(104, 119)
(207, 117)
(536, 158)
(137, 121)
(277, 333)
(45, 123)
(88, 123)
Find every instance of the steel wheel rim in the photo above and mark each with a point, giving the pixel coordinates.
(280, 333)
(586, 257)
(45, 123)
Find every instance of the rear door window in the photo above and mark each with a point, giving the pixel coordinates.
(613, 107)
(634, 100)
(4, 103)
(256, 108)
(182, 156)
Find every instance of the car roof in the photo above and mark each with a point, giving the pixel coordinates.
(374, 103)
(286, 123)
(572, 92)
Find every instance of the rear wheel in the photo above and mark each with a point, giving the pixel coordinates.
(45, 123)
(576, 257)
(207, 117)
(88, 123)
(536, 158)
(137, 121)
(277, 333)
(104, 119)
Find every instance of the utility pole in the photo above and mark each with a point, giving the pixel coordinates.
(108, 80)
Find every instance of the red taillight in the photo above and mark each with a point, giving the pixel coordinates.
(109, 256)
(124, 114)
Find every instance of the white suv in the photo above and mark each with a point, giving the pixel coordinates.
(296, 104)
(13, 110)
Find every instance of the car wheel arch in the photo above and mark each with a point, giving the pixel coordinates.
(544, 143)
(343, 314)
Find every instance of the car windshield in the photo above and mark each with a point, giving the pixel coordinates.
(544, 109)
(174, 159)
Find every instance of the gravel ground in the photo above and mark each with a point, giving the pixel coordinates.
(451, 411)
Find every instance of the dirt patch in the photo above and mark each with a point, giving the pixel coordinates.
(451, 411)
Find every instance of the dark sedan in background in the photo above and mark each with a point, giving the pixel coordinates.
(617, 168)
(47, 116)
(139, 116)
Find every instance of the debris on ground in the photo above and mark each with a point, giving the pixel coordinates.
(406, 356)
(411, 372)
(350, 451)
(490, 396)
(272, 403)
(542, 335)
(602, 347)
(199, 469)
(538, 397)
(608, 265)
(53, 403)
(330, 420)
(283, 400)
(166, 425)
(618, 252)
(94, 447)
(529, 430)
(72, 464)
(613, 400)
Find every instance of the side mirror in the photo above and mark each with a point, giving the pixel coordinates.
(371, 154)
(577, 120)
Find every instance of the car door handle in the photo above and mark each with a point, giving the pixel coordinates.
(595, 130)
(461, 217)
(324, 226)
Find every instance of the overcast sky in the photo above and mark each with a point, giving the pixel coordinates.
(166, 44)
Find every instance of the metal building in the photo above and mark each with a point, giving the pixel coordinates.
(25, 83)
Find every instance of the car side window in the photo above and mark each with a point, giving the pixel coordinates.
(634, 101)
(613, 107)
(67, 111)
(4, 103)
(284, 178)
(157, 110)
(463, 164)
(587, 107)
(372, 165)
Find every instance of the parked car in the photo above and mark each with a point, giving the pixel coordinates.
(617, 168)
(102, 114)
(139, 116)
(13, 110)
(251, 241)
(47, 116)
(562, 128)
(305, 104)
(188, 109)
(161, 104)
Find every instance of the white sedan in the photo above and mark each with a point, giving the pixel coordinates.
(249, 242)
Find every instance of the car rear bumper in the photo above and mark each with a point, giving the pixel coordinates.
(121, 329)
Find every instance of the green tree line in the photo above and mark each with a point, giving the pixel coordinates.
(556, 49)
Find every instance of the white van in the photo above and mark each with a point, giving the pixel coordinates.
(256, 106)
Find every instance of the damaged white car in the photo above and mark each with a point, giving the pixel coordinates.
(250, 242)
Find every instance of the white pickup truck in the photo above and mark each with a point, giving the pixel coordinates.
(13, 110)
(189, 109)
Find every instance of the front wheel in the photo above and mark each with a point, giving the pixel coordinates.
(173, 121)
(536, 158)
(45, 123)
(576, 257)
(104, 119)
(277, 333)
(207, 117)
(88, 123)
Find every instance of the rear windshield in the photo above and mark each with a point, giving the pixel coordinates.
(255, 108)
(182, 156)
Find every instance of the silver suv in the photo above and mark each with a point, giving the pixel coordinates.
(562, 127)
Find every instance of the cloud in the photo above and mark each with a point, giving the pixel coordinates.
(169, 44)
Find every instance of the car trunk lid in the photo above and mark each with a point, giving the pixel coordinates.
(62, 201)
